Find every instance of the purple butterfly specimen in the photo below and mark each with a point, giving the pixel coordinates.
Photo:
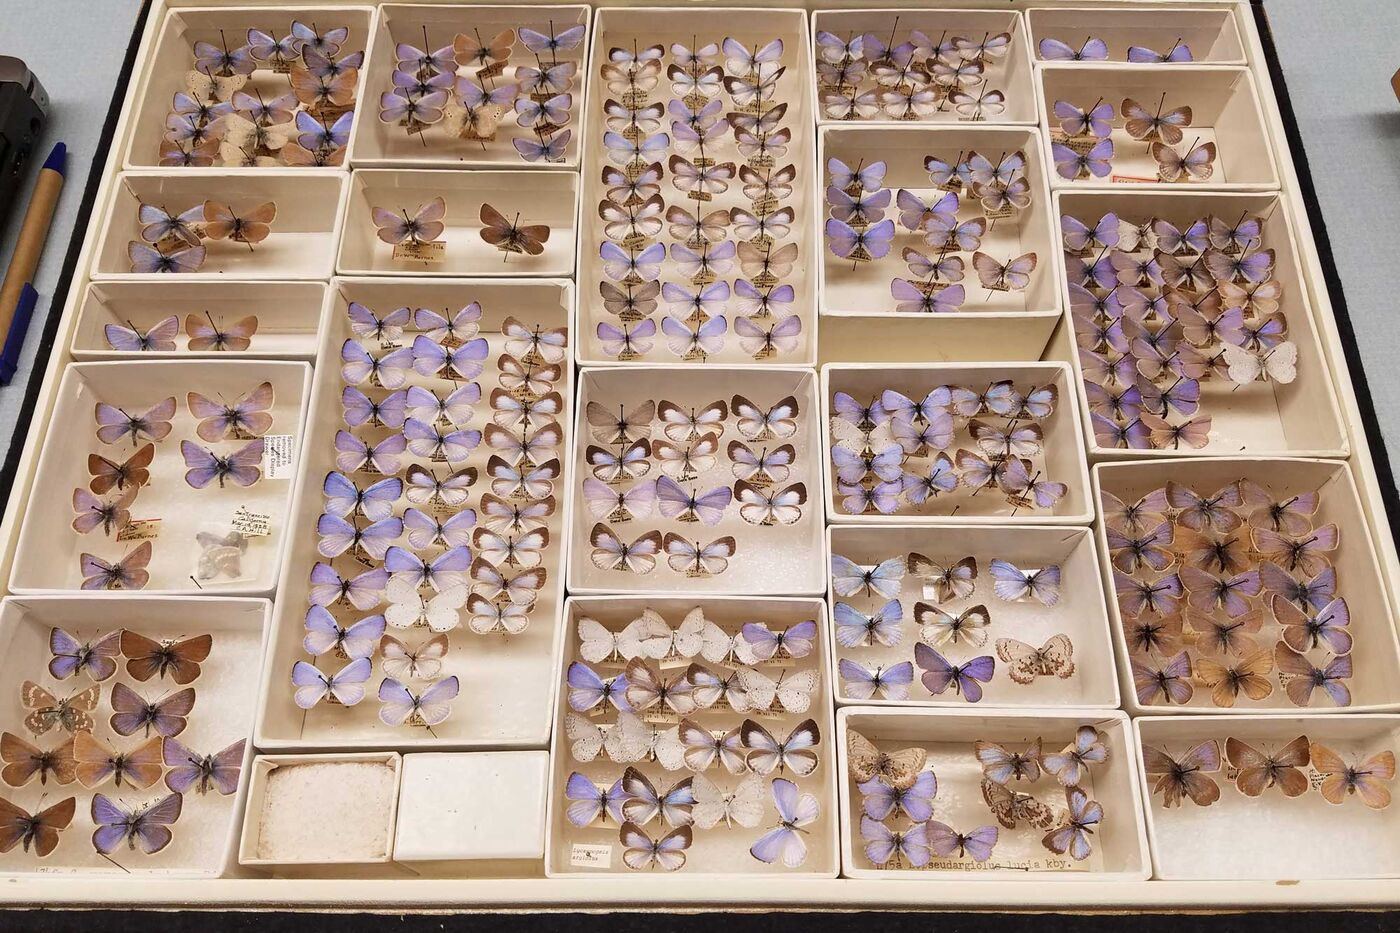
(795, 641)
(911, 298)
(1179, 52)
(168, 716)
(1133, 435)
(324, 633)
(375, 502)
(147, 259)
(338, 536)
(264, 47)
(880, 801)
(940, 478)
(1096, 122)
(587, 689)
(1071, 164)
(1079, 236)
(429, 441)
(366, 325)
(464, 362)
(855, 629)
(1172, 682)
(1073, 836)
(589, 803)
(795, 812)
(360, 409)
(885, 846)
(345, 687)
(192, 771)
(129, 573)
(673, 501)
(859, 245)
(868, 177)
(364, 591)
(535, 149)
(947, 842)
(554, 111)
(147, 825)
(356, 455)
(1013, 584)
(447, 569)
(97, 656)
(882, 497)
(540, 43)
(242, 467)
(965, 679)
(888, 683)
(852, 468)
(417, 112)
(389, 370)
(426, 530)
(1055, 50)
(114, 423)
(159, 339)
(430, 708)
(1301, 677)
(317, 134)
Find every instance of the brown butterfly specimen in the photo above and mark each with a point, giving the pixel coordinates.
(168, 715)
(898, 769)
(317, 93)
(473, 52)
(1258, 771)
(508, 236)
(1154, 635)
(107, 474)
(140, 767)
(1366, 779)
(1178, 779)
(47, 711)
(1012, 807)
(221, 223)
(1249, 676)
(23, 761)
(147, 658)
(38, 829)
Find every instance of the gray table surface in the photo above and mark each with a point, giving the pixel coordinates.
(1349, 119)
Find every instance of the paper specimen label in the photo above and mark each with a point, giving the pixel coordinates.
(590, 855)
(279, 456)
(140, 529)
(251, 524)
(422, 250)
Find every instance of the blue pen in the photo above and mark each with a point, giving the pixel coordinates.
(17, 294)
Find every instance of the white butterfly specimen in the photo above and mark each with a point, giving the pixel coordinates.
(759, 425)
(626, 740)
(794, 692)
(743, 805)
(423, 662)
(407, 608)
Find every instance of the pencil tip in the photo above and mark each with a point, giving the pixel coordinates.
(58, 158)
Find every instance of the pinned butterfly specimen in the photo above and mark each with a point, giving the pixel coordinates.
(426, 224)
(23, 761)
(900, 769)
(96, 657)
(1196, 164)
(249, 416)
(610, 552)
(947, 842)
(147, 825)
(884, 578)
(965, 679)
(241, 467)
(40, 829)
(589, 802)
(1364, 778)
(797, 752)
(114, 424)
(167, 715)
(769, 508)
(1072, 164)
(1178, 780)
(1171, 681)
(695, 559)
(160, 338)
(1002, 766)
(886, 683)
(399, 705)
(148, 259)
(128, 573)
(1149, 126)
(508, 236)
(206, 334)
(345, 687)
(325, 634)
(1013, 584)
(645, 803)
(139, 767)
(1303, 632)
(941, 628)
(743, 806)
(191, 771)
(641, 852)
(1257, 771)
(1024, 662)
(1082, 816)
(856, 629)
(1301, 677)
(221, 223)
(1072, 764)
(756, 424)
(784, 842)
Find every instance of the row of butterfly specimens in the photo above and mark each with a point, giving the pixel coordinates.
(430, 529)
(476, 86)
(935, 221)
(938, 615)
(922, 66)
(1168, 37)
(693, 737)
(988, 441)
(254, 91)
(1145, 124)
(1193, 331)
(136, 714)
(994, 795)
(1329, 778)
(1245, 584)
(698, 184)
(175, 478)
(696, 481)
